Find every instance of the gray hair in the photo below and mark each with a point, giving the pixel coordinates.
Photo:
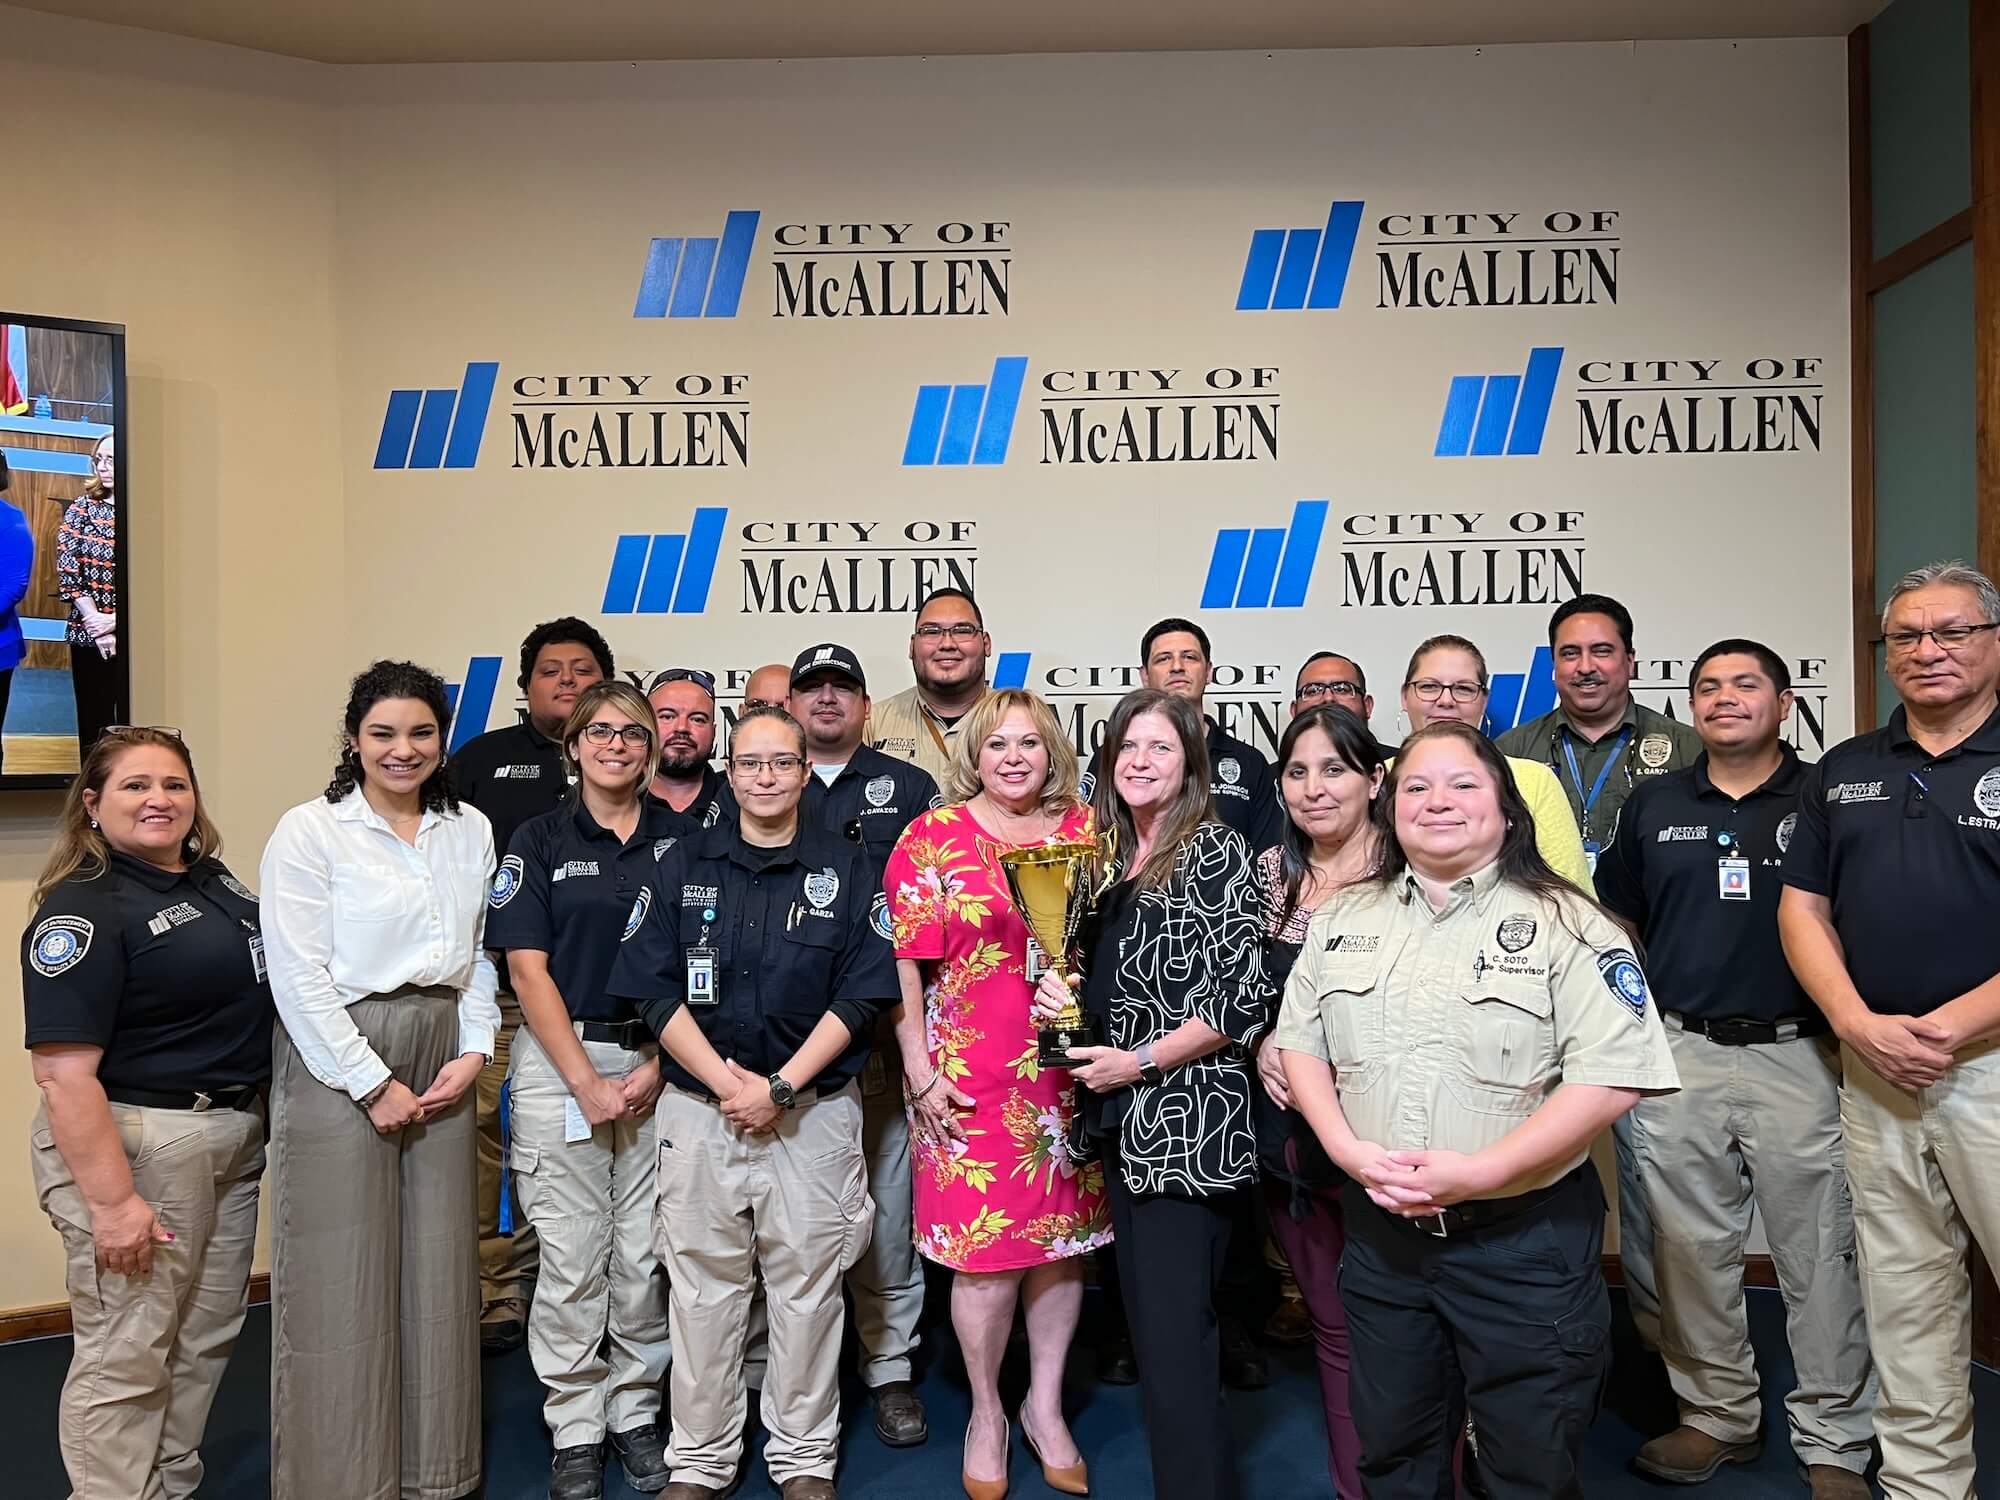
(1955, 573)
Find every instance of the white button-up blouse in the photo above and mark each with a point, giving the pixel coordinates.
(350, 910)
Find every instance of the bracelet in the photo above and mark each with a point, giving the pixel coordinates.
(368, 1102)
(935, 1076)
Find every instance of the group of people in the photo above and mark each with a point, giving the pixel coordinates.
(580, 1040)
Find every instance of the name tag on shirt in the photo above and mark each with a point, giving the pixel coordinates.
(575, 1126)
(701, 976)
(257, 968)
(1732, 878)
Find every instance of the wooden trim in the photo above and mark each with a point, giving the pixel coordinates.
(1939, 239)
(53, 1319)
(1861, 405)
(1758, 1271)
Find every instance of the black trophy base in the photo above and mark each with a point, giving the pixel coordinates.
(1053, 1042)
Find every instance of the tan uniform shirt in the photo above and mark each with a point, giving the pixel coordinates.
(901, 726)
(1448, 1029)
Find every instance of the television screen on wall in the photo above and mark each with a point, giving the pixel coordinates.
(64, 648)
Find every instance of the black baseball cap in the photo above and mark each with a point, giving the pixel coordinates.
(817, 659)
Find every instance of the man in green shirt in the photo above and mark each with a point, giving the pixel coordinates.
(1601, 744)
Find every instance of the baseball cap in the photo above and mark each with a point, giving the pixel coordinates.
(816, 659)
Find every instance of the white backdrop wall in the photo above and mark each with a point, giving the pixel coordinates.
(1667, 221)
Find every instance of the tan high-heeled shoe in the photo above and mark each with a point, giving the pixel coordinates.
(987, 1489)
(1074, 1480)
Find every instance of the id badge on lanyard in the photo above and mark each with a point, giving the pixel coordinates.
(701, 969)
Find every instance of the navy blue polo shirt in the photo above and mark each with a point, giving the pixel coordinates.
(1906, 847)
(792, 939)
(1246, 798)
(873, 799)
(1706, 956)
(163, 971)
(511, 775)
(566, 887)
(711, 804)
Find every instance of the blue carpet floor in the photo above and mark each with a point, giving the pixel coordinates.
(1279, 1431)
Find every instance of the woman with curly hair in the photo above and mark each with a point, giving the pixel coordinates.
(374, 925)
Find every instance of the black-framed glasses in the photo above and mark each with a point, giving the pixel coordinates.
(1429, 689)
(703, 680)
(753, 765)
(602, 732)
(1312, 692)
(964, 630)
(1948, 637)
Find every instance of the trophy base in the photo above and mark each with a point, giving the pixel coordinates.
(1052, 1043)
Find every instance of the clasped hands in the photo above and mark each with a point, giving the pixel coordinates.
(1103, 1068)
(1416, 1184)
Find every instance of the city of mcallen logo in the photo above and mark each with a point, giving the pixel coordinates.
(887, 269)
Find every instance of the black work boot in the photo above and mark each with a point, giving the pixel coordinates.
(643, 1452)
(577, 1473)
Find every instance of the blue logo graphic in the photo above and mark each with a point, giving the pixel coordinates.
(698, 278)
(656, 575)
(1267, 568)
(426, 429)
(956, 424)
(1010, 669)
(1518, 697)
(1294, 268)
(472, 700)
(1488, 415)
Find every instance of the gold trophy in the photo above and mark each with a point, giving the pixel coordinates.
(1052, 889)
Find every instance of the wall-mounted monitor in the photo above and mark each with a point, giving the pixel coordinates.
(64, 646)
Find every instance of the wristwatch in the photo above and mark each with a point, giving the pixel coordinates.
(782, 1093)
(1149, 1071)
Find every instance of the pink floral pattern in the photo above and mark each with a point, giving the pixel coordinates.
(1007, 1196)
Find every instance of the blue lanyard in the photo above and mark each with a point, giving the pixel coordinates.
(1603, 775)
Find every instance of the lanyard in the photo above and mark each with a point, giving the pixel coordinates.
(1603, 774)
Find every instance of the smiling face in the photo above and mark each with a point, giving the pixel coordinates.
(1326, 797)
(399, 745)
(1593, 666)
(1925, 674)
(953, 657)
(609, 760)
(1150, 763)
(1437, 690)
(1014, 761)
(562, 670)
(1736, 706)
(764, 789)
(1448, 817)
(146, 808)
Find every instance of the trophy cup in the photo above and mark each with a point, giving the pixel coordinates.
(1051, 887)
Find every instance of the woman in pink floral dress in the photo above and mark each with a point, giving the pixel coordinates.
(997, 1197)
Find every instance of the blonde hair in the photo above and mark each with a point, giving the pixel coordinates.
(962, 779)
(627, 700)
(80, 846)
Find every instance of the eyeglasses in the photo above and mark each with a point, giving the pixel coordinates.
(1312, 692)
(703, 680)
(1430, 690)
(598, 732)
(753, 765)
(1948, 637)
(963, 631)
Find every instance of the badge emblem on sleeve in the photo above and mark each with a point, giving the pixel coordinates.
(1986, 793)
(879, 791)
(1515, 933)
(1789, 822)
(878, 917)
(59, 944)
(639, 909)
(822, 888)
(1622, 975)
(1655, 750)
(236, 887)
(506, 881)
(1085, 785)
(661, 846)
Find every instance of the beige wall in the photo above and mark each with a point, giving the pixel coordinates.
(186, 190)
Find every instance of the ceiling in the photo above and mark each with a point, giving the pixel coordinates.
(397, 31)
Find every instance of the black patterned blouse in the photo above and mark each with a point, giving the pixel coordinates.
(87, 559)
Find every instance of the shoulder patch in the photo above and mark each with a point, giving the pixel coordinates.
(232, 884)
(59, 943)
(878, 917)
(639, 910)
(661, 846)
(1620, 971)
(506, 881)
(1787, 825)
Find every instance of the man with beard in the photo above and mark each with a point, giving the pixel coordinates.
(514, 774)
(1601, 744)
(949, 648)
(683, 700)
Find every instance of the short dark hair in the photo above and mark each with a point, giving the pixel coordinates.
(1593, 604)
(568, 631)
(1773, 665)
(1173, 625)
(1360, 677)
(775, 715)
(950, 593)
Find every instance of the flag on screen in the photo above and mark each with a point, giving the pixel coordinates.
(13, 400)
